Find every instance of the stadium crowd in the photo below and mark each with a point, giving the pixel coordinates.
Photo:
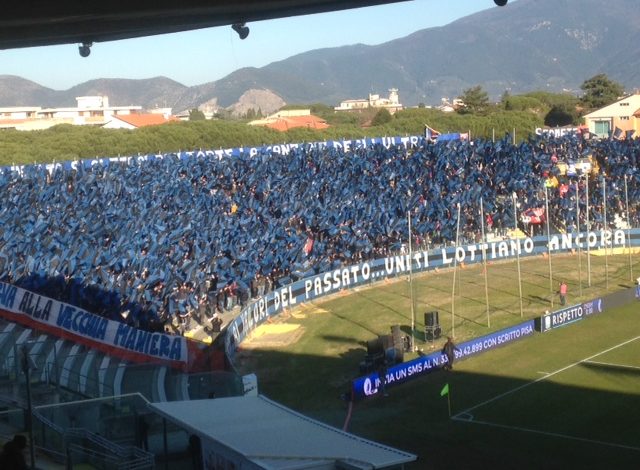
(172, 238)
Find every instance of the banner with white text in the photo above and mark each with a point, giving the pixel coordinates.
(365, 273)
(65, 320)
(370, 385)
(279, 149)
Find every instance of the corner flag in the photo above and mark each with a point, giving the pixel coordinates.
(443, 392)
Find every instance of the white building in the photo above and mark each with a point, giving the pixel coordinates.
(392, 104)
(447, 106)
(90, 110)
(16, 112)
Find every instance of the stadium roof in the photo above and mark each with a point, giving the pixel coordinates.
(40, 23)
(275, 437)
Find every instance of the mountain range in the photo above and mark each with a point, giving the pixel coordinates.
(551, 45)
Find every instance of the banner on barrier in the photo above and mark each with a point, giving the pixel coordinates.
(280, 149)
(569, 315)
(55, 316)
(371, 384)
(348, 277)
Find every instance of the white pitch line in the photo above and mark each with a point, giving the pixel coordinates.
(550, 434)
(550, 374)
(619, 366)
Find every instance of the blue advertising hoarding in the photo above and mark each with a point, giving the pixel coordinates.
(371, 384)
(569, 315)
(349, 277)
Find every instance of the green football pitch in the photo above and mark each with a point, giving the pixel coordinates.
(567, 398)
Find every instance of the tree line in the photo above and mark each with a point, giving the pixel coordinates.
(520, 113)
(556, 109)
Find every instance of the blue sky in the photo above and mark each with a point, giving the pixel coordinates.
(197, 57)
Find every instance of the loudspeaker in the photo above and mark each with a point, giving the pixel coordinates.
(387, 341)
(396, 334)
(399, 354)
(431, 319)
(374, 347)
(432, 332)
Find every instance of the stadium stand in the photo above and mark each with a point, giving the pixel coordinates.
(172, 243)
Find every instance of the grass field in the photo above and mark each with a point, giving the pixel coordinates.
(568, 398)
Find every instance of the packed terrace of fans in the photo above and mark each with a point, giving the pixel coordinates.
(148, 242)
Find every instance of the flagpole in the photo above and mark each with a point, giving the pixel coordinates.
(577, 234)
(588, 232)
(626, 198)
(413, 313)
(606, 229)
(455, 270)
(515, 234)
(546, 210)
(484, 263)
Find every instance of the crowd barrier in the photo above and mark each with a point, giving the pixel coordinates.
(371, 384)
(124, 341)
(349, 277)
(111, 337)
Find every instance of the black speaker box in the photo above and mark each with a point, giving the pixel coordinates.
(396, 334)
(394, 356)
(431, 319)
(387, 341)
(432, 332)
(374, 347)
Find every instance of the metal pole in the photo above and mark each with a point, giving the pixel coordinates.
(165, 443)
(606, 229)
(626, 198)
(577, 234)
(26, 369)
(455, 270)
(484, 263)
(546, 211)
(413, 313)
(515, 234)
(588, 232)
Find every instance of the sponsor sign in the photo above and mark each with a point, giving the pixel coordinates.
(370, 385)
(557, 131)
(570, 315)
